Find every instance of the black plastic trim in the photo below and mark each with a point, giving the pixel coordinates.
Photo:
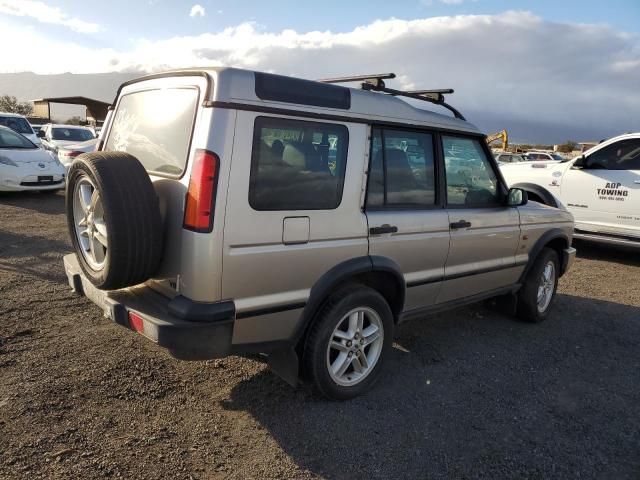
(418, 283)
(270, 310)
(419, 312)
(547, 237)
(540, 191)
(185, 309)
(281, 88)
(327, 283)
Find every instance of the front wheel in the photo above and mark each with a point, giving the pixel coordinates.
(349, 342)
(539, 290)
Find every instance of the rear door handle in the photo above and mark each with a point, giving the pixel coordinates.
(383, 229)
(460, 224)
(636, 181)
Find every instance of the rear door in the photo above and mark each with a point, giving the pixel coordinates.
(290, 216)
(407, 221)
(604, 195)
(484, 232)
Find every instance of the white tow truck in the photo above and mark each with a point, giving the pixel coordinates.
(601, 188)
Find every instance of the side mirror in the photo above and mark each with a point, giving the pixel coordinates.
(580, 162)
(517, 197)
(40, 134)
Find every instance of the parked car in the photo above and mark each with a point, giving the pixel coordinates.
(543, 156)
(55, 136)
(25, 166)
(510, 158)
(68, 153)
(601, 189)
(20, 124)
(283, 216)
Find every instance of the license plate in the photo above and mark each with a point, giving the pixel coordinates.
(45, 178)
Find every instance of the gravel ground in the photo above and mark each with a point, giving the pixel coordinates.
(467, 394)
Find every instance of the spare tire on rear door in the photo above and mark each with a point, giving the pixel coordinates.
(114, 219)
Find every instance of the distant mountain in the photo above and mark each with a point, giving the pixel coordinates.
(103, 86)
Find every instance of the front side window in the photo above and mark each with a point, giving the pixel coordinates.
(155, 127)
(402, 171)
(297, 165)
(471, 180)
(622, 155)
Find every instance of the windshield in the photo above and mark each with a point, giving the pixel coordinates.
(72, 134)
(10, 139)
(17, 124)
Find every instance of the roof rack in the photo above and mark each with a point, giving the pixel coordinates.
(376, 83)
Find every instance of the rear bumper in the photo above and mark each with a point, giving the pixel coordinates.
(188, 330)
(568, 258)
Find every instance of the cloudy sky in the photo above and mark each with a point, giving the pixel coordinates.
(565, 64)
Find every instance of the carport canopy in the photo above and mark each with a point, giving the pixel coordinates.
(96, 109)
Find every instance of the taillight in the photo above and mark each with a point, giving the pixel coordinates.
(135, 322)
(201, 197)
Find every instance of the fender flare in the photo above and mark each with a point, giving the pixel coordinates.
(540, 191)
(341, 273)
(550, 235)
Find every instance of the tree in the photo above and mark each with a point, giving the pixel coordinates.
(567, 147)
(10, 104)
(75, 120)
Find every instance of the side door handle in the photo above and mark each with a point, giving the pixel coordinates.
(460, 224)
(386, 228)
(636, 181)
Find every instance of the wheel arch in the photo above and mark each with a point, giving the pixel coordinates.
(380, 273)
(557, 240)
(538, 193)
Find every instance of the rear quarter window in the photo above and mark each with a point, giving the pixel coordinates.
(297, 165)
(155, 126)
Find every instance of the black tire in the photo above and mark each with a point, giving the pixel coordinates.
(315, 352)
(528, 309)
(131, 217)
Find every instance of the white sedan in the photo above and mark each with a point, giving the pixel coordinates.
(601, 188)
(24, 166)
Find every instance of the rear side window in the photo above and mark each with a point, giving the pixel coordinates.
(402, 172)
(155, 127)
(297, 165)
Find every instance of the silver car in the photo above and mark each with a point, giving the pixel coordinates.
(234, 212)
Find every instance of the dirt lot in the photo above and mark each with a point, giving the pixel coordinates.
(468, 394)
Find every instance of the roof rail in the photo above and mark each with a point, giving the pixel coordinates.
(376, 80)
(376, 83)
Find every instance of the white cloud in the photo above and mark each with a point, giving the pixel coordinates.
(514, 64)
(46, 14)
(197, 11)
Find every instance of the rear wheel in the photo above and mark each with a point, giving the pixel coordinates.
(114, 219)
(538, 292)
(348, 343)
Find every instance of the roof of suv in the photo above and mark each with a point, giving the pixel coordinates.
(238, 86)
(7, 114)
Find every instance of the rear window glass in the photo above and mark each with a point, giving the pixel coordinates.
(71, 134)
(17, 124)
(155, 127)
(297, 165)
